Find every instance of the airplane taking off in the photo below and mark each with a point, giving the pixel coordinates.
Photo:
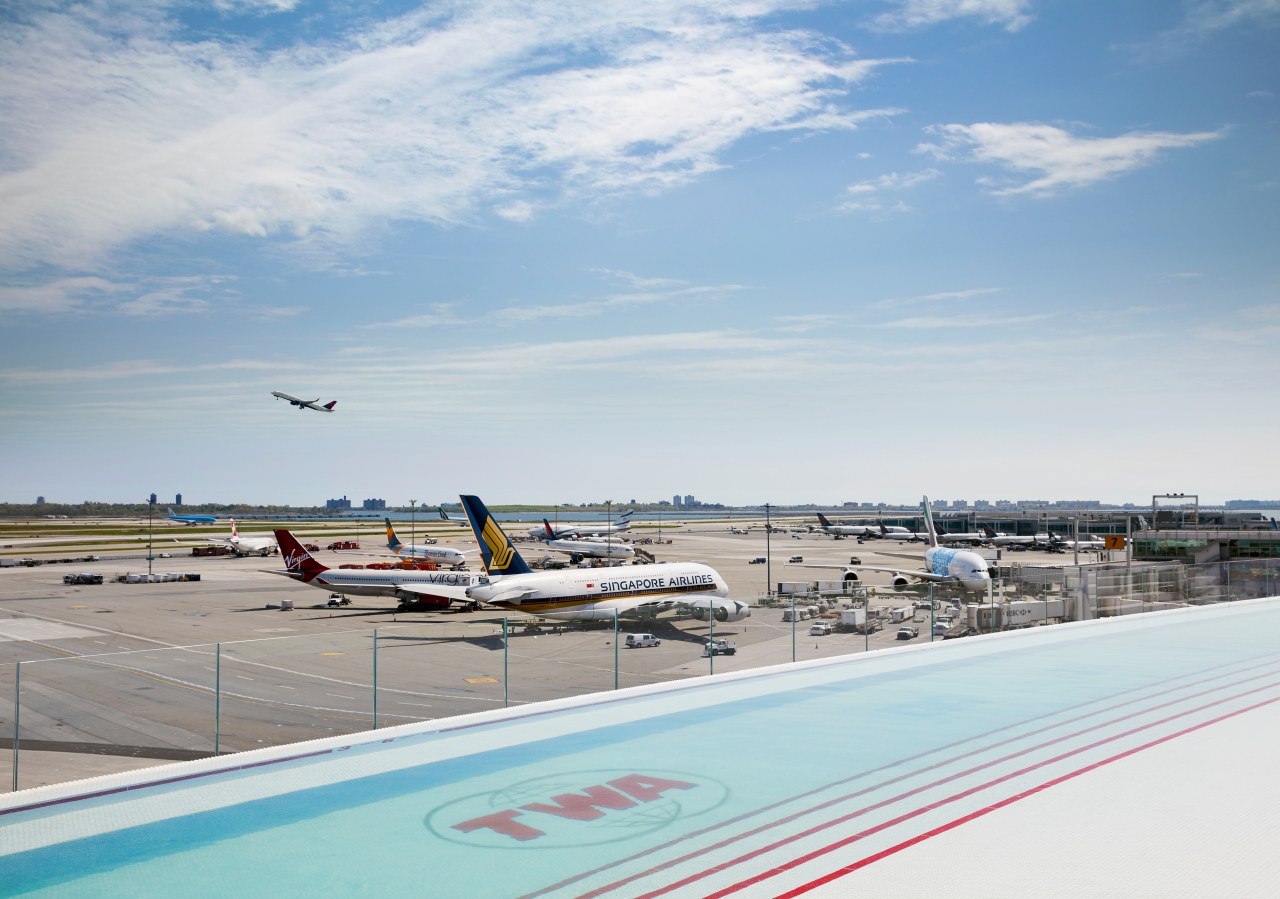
(586, 594)
(441, 555)
(586, 549)
(305, 404)
(570, 531)
(413, 587)
(942, 565)
(191, 519)
(246, 545)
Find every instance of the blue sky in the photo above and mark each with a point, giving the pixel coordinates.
(753, 251)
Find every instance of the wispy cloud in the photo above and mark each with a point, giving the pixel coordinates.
(944, 296)
(119, 131)
(966, 321)
(1063, 160)
(907, 14)
(599, 305)
(868, 195)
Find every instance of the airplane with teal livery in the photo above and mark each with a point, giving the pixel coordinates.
(592, 593)
(191, 519)
(943, 565)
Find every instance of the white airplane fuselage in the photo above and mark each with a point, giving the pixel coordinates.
(602, 593)
(592, 549)
(968, 568)
(360, 582)
(441, 555)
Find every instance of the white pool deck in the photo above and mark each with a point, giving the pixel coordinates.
(1129, 757)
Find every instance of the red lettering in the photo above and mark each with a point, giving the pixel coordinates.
(501, 822)
(582, 808)
(647, 789)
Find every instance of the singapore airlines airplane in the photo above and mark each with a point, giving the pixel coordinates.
(247, 545)
(942, 565)
(420, 589)
(305, 404)
(191, 519)
(441, 555)
(601, 593)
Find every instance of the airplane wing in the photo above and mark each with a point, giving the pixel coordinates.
(441, 590)
(919, 573)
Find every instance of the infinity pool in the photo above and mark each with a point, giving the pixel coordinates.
(766, 782)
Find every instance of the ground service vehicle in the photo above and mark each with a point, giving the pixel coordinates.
(758, 560)
(908, 632)
(635, 640)
(718, 648)
(821, 629)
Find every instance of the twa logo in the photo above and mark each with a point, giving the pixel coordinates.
(582, 809)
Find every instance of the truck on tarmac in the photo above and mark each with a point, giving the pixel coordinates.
(343, 544)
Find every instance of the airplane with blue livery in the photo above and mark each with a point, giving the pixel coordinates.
(943, 565)
(191, 519)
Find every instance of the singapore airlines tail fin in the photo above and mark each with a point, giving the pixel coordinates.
(296, 558)
(928, 521)
(497, 554)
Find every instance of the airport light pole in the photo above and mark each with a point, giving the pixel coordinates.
(768, 552)
(413, 527)
(151, 507)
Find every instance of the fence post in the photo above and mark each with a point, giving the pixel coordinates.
(505, 652)
(217, 697)
(615, 647)
(375, 678)
(17, 705)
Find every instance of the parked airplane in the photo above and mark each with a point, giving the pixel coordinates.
(246, 545)
(587, 549)
(570, 531)
(972, 538)
(581, 594)
(305, 404)
(942, 565)
(733, 530)
(191, 519)
(412, 587)
(847, 530)
(441, 555)
(989, 535)
(1088, 542)
(460, 522)
(903, 535)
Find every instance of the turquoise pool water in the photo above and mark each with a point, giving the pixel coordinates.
(755, 783)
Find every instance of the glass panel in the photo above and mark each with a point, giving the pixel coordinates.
(154, 705)
(439, 667)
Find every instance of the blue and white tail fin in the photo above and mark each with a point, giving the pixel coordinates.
(393, 542)
(928, 521)
(497, 553)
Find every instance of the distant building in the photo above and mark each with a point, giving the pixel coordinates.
(177, 500)
(375, 505)
(153, 499)
(39, 500)
(337, 505)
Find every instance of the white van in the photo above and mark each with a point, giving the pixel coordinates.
(634, 640)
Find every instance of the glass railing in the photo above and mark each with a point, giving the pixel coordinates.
(176, 703)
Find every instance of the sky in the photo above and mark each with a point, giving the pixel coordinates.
(753, 251)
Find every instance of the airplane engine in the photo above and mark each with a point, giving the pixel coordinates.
(899, 582)
(851, 577)
(724, 609)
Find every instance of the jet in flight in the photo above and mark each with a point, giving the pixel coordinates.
(586, 594)
(942, 565)
(441, 555)
(412, 587)
(305, 404)
(191, 519)
(246, 545)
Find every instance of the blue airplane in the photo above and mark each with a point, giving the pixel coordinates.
(191, 519)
